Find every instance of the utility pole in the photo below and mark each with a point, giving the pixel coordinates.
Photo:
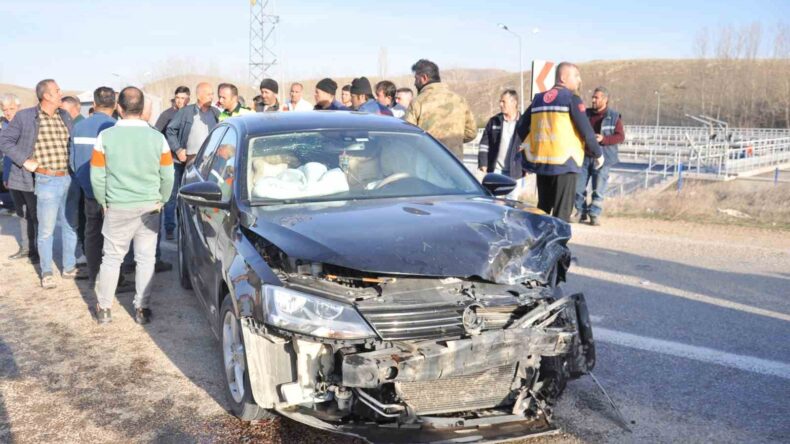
(520, 65)
(520, 61)
(658, 108)
(263, 41)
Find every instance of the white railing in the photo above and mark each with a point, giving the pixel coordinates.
(665, 150)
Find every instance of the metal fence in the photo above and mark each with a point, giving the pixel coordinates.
(742, 150)
(652, 155)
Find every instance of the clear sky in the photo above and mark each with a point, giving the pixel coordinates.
(83, 43)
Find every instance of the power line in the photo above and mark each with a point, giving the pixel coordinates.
(263, 41)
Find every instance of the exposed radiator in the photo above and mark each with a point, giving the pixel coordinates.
(486, 389)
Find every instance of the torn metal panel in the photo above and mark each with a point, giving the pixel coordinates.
(496, 242)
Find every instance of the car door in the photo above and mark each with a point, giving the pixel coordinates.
(199, 257)
(218, 223)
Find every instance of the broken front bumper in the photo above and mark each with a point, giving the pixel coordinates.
(414, 390)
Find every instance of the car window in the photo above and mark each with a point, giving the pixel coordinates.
(202, 161)
(222, 172)
(327, 165)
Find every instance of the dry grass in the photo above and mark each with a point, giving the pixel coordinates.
(762, 204)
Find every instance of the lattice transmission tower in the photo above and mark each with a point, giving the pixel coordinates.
(263, 41)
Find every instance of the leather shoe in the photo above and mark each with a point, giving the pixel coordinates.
(21, 254)
(142, 315)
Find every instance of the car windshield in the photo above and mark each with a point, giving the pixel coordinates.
(325, 165)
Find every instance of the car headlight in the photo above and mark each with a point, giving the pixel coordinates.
(312, 315)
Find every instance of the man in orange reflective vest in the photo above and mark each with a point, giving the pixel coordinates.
(554, 130)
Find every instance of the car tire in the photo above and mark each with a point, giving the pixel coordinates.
(233, 359)
(183, 271)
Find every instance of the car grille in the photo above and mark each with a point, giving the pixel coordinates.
(435, 321)
(423, 322)
(486, 389)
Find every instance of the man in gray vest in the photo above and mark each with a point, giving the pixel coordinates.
(608, 126)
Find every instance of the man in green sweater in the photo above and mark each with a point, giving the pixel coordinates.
(132, 177)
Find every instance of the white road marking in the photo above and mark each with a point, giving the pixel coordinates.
(702, 354)
(636, 281)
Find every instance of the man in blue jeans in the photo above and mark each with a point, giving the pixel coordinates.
(185, 134)
(37, 139)
(608, 126)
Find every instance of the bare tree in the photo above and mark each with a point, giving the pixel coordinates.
(701, 43)
(782, 41)
(383, 59)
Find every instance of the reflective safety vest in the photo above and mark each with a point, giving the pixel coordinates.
(554, 145)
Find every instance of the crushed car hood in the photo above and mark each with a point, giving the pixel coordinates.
(437, 237)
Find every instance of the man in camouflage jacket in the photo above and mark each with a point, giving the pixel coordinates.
(439, 111)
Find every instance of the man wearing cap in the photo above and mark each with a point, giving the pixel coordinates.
(324, 96)
(269, 91)
(362, 98)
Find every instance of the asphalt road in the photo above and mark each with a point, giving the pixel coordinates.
(692, 325)
(693, 333)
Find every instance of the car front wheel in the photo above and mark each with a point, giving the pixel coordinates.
(234, 365)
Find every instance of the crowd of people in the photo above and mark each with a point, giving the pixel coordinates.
(110, 180)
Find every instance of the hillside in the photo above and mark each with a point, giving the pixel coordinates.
(741, 92)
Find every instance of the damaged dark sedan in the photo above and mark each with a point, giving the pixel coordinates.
(361, 280)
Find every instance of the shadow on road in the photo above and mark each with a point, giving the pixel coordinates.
(8, 371)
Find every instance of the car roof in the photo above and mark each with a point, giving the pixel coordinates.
(258, 124)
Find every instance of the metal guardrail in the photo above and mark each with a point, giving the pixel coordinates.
(666, 150)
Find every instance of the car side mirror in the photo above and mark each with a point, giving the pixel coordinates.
(498, 184)
(203, 194)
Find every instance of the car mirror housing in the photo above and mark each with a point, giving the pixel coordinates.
(498, 184)
(204, 194)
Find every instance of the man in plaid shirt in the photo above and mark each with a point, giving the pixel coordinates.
(37, 140)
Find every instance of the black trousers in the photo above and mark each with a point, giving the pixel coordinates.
(25, 207)
(556, 194)
(94, 240)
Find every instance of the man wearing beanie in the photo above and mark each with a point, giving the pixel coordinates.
(362, 98)
(269, 91)
(325, 96)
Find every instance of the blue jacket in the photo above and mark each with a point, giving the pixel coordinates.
(374, 107)
(6, 160)
(488, 152)
(177, 131)
(561, 136)
(81, 142)
(334, 106)
(18, 140)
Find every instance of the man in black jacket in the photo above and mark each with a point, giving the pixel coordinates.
(180, 100)
(185, 134)
(499, 147)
